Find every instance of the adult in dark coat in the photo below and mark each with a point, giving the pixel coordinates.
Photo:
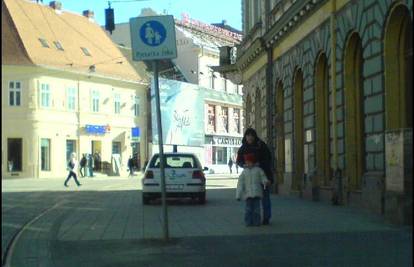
(131, 166)
(251, 143)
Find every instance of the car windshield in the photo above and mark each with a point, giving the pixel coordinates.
(175, 161)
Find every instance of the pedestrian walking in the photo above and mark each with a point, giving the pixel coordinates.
(131, 166)
(72, 167)
(251, 143)
(250, 188)
(82, 165)
(230, 163)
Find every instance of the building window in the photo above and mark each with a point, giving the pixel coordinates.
(213, 76)
(116, 147)
(225, 118)
(136, 106)
(219, 155)
(14, 93)
(44, 42)
(70, 148)
(45, 154)
(211, 111)
(85, 51)
(71, 98)
(236, 118)
(14, 154)
(117, 103)
(45, 95)
(58, 45)
(95, 101)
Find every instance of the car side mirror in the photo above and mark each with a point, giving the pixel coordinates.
(205, 169)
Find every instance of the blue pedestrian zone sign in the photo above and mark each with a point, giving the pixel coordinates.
(153, 33)
(153, 38)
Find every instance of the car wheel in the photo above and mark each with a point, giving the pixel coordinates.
(202, 198)
(145, 199)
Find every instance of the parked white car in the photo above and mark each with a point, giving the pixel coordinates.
(184, 177)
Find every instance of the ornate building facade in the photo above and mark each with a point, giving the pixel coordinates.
(327, 85)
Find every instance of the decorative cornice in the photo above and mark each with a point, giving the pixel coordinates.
(289, 20)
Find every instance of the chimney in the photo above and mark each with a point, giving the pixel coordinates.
(88, 13)
(56, 5)
(224, 22)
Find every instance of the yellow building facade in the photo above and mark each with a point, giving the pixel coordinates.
(59, 99)
(326, 84)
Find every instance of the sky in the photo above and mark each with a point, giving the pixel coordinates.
(207, 11)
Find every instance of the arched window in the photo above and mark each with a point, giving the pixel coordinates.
(398, 58)
(298, 117)
(354, 113)
(322, 120)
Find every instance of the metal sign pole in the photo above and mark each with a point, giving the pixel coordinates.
(161, 151)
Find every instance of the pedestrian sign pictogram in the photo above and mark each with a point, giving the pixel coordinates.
(153, 33)
(153, 38)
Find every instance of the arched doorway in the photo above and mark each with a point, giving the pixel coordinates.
(398, 65)
(322, 120)
(298, 116)
(258, 112)
(280, 134)
(354, 113)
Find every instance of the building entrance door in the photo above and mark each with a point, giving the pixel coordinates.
(97, 155)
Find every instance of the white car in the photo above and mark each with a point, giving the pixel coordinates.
(184, 177)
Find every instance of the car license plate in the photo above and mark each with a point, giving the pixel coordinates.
(174, 187)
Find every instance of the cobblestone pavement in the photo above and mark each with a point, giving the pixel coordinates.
(103, 223)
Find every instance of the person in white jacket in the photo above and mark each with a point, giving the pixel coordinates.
(250, 188)
(73, 169)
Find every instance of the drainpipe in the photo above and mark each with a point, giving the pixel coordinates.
(269, 110)
(333, 83)
(78, 111)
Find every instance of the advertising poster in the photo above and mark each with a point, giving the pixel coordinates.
(182, 113)
(394, 161)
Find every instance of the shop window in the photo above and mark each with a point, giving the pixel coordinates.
(14, 93)
(211, 111)
(45, 95)
(71, 98)
(225, 118)
(45, 154)
(221, 153)
(236, 118)
(14, 154)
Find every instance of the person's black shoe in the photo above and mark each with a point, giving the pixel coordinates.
(265, 222)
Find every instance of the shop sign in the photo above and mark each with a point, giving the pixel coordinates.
(97, 129)
(231, 141)
(135, 134)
